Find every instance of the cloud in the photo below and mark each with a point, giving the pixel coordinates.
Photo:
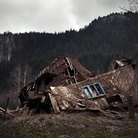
(84, 11)
(25, 15)
(52, 15)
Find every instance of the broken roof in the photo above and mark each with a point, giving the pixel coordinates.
(66, 85)
(96, 92)
(64, 70)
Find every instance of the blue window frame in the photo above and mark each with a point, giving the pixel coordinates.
(94, 90)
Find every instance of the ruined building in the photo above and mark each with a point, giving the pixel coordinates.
(65, 85)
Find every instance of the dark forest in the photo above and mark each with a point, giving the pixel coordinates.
(95, 46)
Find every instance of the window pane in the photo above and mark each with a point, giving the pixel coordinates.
(99, 88)
(87, 92)
(94, 90)
(95, 94)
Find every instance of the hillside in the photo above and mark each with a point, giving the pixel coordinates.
(95, 46)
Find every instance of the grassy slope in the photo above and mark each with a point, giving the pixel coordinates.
(73, 125)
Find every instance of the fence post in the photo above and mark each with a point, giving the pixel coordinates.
(7, 102)
(130, 107)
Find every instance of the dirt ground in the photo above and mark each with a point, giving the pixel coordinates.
(70, 125)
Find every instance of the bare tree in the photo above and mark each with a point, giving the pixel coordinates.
(16, 77)
(133, 6)
(20, 76)
(26, 74)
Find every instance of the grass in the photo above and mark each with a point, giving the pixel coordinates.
(82, 125)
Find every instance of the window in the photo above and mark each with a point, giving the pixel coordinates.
(93, 91)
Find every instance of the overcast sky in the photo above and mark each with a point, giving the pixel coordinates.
(53, 15)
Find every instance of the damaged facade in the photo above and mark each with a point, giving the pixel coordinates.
(65, 85)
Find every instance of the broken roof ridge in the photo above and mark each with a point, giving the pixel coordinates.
(64, 60)
(104, 74)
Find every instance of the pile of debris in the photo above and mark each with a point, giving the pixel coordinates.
(65, 85)
(5, 114)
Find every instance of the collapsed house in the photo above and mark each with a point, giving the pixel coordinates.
(65, 85)
(61, 72)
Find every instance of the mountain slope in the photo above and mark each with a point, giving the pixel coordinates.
(95, 45)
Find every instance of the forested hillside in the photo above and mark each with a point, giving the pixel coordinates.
(95, 46)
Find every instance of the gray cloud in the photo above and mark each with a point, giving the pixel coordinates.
(86, 11)
(53, 15)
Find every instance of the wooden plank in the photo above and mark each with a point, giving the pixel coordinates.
(54, 103)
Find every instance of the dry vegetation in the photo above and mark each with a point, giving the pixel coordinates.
(70, 125)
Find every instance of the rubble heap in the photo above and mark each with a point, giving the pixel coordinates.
(65, 85)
